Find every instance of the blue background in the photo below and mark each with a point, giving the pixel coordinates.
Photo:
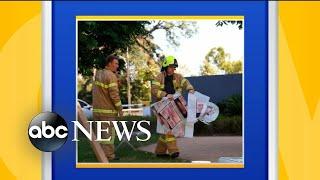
(256, 66)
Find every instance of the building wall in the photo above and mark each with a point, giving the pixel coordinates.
(218, 87)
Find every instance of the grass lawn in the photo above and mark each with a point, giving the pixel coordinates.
(124, 152)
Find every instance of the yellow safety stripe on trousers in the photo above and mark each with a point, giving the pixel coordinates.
(167, 139)
(105, 111)
(113, 135)
(162, 140)
(162, 87)
(155, 83)
(105, 85)
(183, 81)
(170, 139)
(159, 94)
(118, 104)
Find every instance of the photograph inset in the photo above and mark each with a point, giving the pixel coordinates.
(160, 90)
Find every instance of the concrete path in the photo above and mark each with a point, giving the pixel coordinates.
(209, 148)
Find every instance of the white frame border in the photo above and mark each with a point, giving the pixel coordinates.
(273, 90)
(46, 78)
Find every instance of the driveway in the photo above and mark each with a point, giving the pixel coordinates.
(209, 148)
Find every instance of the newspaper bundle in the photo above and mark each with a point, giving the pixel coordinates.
(171, 115)
(176, 117)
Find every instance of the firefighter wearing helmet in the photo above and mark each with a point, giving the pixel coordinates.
(165, 85)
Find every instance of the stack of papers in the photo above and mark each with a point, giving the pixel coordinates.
(177, 117)
(170, 115)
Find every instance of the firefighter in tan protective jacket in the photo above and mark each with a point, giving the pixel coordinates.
(106, 102)
(165, 85)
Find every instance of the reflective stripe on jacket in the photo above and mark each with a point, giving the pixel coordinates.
(105, 95)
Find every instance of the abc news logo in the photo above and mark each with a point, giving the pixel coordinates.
(48, 131)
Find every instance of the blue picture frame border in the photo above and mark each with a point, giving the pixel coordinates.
(255, 82)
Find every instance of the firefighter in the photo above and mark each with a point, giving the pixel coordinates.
(106, 102)
(166, 84)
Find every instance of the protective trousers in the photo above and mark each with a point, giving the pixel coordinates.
(107, 144)
(166, 143)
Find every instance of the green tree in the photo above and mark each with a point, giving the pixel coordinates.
(97, 39)
(238, 23)
(217, 57)
(207, 68)
(142, 69)
(174, 29)
(145, 56)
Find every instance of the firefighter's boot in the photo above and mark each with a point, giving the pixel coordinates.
(161, 148)
(172, 146)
